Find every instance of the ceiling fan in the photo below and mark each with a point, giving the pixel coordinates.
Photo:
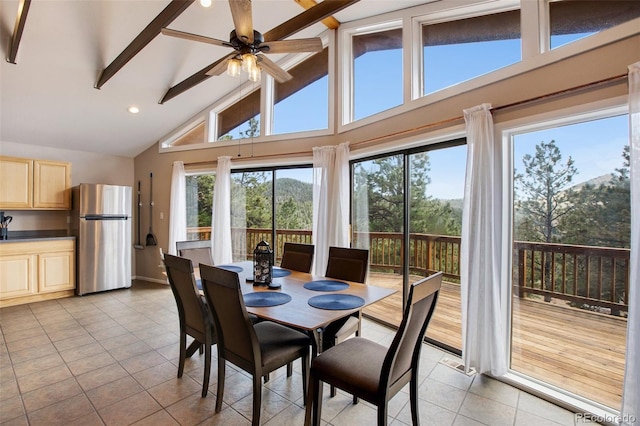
(249, 46)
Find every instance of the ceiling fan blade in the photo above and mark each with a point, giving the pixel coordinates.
(307, 18)
(242, 19)
(290, 46)
(273, 69)
(220, 65)
(194, 37)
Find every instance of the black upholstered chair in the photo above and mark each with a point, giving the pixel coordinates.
(256, 348)
(297, 257)
(193, 313)
(199, 251)
(371, 371)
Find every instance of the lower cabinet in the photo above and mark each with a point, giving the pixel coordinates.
(38, 270)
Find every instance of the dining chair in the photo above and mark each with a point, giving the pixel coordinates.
(258, 348)
(199, 251)
(193, 312)
(297, 257)
(350, 264)
(371, 371)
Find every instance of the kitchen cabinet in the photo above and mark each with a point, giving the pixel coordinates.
(38, 270)
(28, 184)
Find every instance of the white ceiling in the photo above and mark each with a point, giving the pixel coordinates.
(48, 97)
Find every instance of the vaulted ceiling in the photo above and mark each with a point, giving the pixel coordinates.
(79, 65)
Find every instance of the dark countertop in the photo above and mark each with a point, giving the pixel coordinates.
(28, 236)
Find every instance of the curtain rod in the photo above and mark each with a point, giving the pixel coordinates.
(460, 118)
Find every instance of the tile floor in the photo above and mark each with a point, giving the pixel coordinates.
(111, 359)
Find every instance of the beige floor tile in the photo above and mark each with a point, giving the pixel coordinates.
(62, 413)
(51, 394)
(11, 408)
(129, 410)
(159, 418)
(93, 362)
(113, 392)
(174, 390)
(193, 409)
(487, 411)
(155, 375)
(101, 376)
(43, 378)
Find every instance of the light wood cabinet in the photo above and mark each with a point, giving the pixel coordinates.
(16, 184)
(38, 270)
(34, 184)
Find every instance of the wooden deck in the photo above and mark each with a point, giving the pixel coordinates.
(580, 351)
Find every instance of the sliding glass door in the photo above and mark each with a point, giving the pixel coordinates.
(407, 210)
(571, 238)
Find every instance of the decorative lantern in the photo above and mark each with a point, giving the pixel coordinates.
(262, 263)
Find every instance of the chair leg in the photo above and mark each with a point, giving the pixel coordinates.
(305, 375)
(257, 400)
(289, 369)
(221, 375)
(207, 369)
(413, 400)
(266, 377)
(183, 353)
(313, 412)
(382, 414)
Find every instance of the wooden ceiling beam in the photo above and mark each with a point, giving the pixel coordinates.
(21, 18)
(282, 31)
(164, 18)
(330, 22)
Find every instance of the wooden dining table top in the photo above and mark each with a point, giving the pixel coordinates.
(297, 312)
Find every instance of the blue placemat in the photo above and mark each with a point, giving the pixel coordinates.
(279, 272)
(266, 298)
(232, 268)
(336, 301)
(326, 285)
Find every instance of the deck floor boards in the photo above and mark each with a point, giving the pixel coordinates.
(580, 351)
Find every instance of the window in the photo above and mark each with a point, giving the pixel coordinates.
(576, 19)
(199, 205)
(241, 120)
(377, 72)
(456, 51)
(309, 87)
(571, 238)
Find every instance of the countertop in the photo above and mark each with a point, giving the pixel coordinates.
(29, 236)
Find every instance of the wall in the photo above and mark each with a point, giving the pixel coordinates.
(582, 69)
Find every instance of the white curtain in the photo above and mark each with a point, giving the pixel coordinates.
(483, 328)
(630, 412)
(221, 216)
(330, 202)
(177, 207)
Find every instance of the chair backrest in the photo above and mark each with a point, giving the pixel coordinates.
(192, 311)
(404, 353)
(297, 257)
(235, 334)
(199, 251)
(349, 264)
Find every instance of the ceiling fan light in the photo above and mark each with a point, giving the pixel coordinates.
(205, 3)
(233, 67)
(249, 62)
(254, 74)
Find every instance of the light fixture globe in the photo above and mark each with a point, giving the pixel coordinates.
(254, 74)
(234, 67)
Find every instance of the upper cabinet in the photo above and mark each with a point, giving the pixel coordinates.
(34, 184)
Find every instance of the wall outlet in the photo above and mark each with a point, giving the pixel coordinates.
(161, 216)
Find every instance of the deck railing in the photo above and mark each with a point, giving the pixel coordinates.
(589, 277)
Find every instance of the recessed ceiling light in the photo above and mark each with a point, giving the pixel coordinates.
(205, 3)
(134, 109)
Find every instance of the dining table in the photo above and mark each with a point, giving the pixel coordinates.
(302, 300)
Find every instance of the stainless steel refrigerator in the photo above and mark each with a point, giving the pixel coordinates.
(101, 222)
